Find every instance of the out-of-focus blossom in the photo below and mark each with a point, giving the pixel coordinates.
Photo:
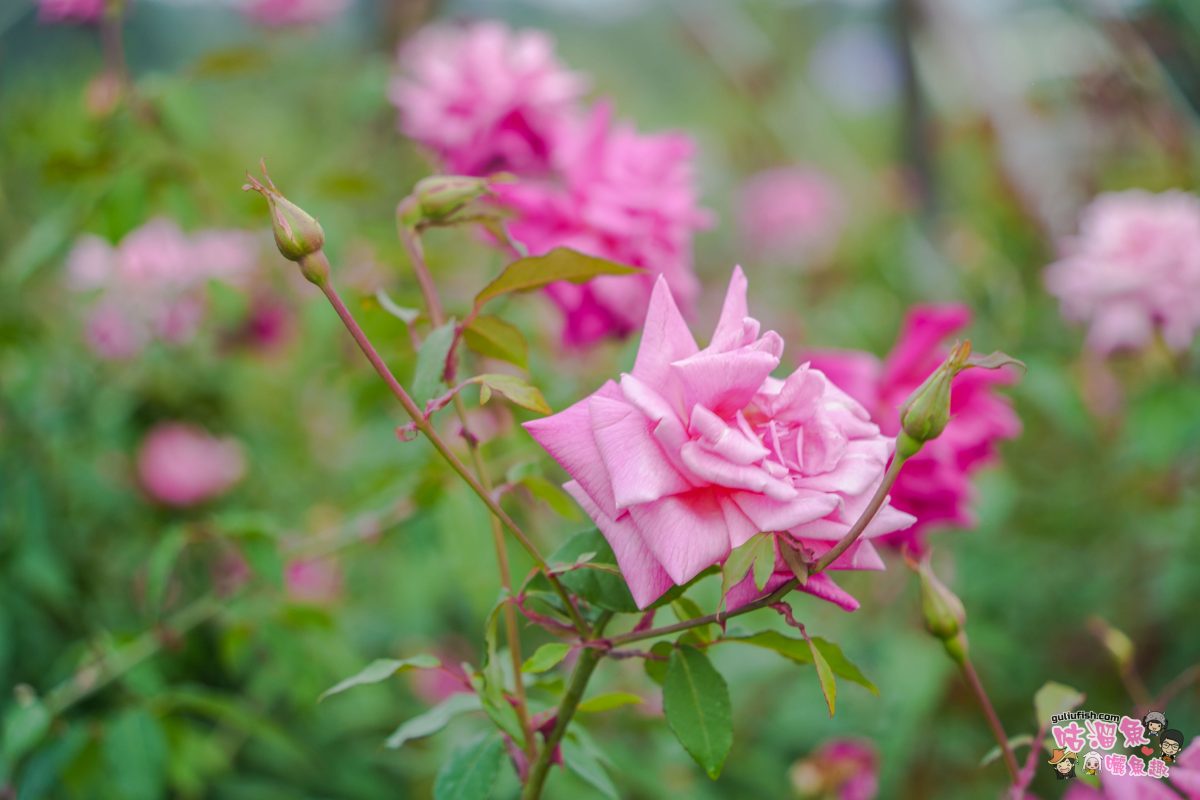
(435, 685)
(1133, 272)
(1184, 778)
(856, 68)
(792, 214)
(616, 194)
(846, 769)
(935, 484)
(150, 286)
(697, 450)
(183, 465)
(282, 13)
(70, 10)
(484, 98)
(313, 581)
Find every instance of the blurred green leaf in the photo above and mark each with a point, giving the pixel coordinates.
(546, 657)
(493, 337)
(162, 562)
(470, 773)
(25, 723)
(434, 719)
(696, 703)
(580, 760)
(516, 389)
(608, 701)
(560, 264)
(135, 753)
(1055, 698)
(431, 363)
(1013, 743)
(380, 670)
(550, 494)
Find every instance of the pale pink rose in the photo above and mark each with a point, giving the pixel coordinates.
(620, 195)
(791, 213)
(313, 581)
(70, 10)
(482, 97)
(282, 13)
(1133, 271)
(697, 450)
(934, 485)
(113, 334)
(183, 465)
(846, 769)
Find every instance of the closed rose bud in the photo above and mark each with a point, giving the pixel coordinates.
(297, 233)
(944, 613)
(927, 411)
(438, 198)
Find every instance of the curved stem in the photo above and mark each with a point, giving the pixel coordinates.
(993, 721)
(589, 657)
(425, 427)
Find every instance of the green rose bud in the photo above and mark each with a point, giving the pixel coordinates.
(297, 234)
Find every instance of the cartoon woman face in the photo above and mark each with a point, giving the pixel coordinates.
(1155, 726)
(1091, 763)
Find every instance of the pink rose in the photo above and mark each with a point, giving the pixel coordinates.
(934, 485)
(70, 10)
(314, 581)
(484, 98)
(183, 465)
(793, 214)
(846, 769)
(1133, 271)
(293, 12)
(697, 450)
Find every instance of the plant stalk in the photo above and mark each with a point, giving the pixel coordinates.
(993, 721)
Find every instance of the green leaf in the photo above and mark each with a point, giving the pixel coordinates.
(764, 562)
(795, 560)
(1013, 744)
(380, 670)
(550, 494)
(697, 707)
(161, 562)
(799, 651)
(516, 389)
(824, 675)
(995, 360)
(587, 766)
(431, 363)
(470, 772)
(493, 337)
(1055, 698)
(406, 315)
(560, 264)
(135, 755)
(25, 723)
(546, 657)
(757, 553)
(609, 701)
(656, 668)
(842, 666)
(686, 609)
(602, 589)
(434, 719)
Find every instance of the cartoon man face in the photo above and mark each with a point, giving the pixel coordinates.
(1064, 766)
(1172, 743)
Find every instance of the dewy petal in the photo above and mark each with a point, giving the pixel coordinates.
(712, 468)
(773, 515)
(730, 331)
(665, 337)
(646, 578)
(638, 469)
(686, 532)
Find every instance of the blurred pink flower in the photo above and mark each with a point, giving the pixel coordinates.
(791, 213)
(846, 769)
(484, 98)
(293, 12)
(934, 485)
(620, 195)
(183, 465)
(150, 286)
(1133, 271)
(70, 10)
(1184, 776)
(314, 581)
(697, 450)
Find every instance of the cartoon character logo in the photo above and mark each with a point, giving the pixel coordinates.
(1156, 723)
(1172, 743)
(1063, 762)
(1091, 763)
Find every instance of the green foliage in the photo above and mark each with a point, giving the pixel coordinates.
(380, 670)
(696, 702)
(470, 773)
(560, 264)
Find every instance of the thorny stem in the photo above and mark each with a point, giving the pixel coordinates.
(425, 427)
(589, 657)
(993, 721)
(412, 244)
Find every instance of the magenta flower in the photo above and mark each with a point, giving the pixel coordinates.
(313, 581)
(1133, 271)
(620, 195)
(70, 10)
(846, 769)
(286, 13)
(484, 98)
(792, 214)
(697, 450)
(1184, 776)
(935, 484)
(183, 465)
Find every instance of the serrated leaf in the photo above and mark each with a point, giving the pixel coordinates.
(493, 337)
(560, 264)
(470, 772)
(434, 719)
(550, 494)
(380, 670)
(516, 389)
(824, 676)
(579, 760)
(546, 657)
(697, 707)
(431, 363)
(608, 701)
(1055, 698)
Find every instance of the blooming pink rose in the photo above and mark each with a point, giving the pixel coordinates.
(847, 769)
(293, 12)
(182, 465)
(697, 450)
(934, 485)
(114, 335)
(484, 98)
(70, 10)
(619, 195)
(315, 581)
(1133, 271)
(791, 213)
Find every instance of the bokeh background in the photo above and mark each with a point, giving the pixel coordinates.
(181, 650)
